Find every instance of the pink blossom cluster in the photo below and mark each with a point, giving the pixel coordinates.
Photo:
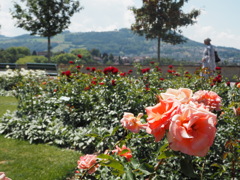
(89, 161)
(187, 119)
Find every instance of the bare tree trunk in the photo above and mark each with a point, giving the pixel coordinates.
(49, 48)
(158, 49)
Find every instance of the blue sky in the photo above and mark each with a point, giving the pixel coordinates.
(219, 19)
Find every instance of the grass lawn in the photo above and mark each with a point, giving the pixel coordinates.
(23, 161)
(7, 103)
(26, 59)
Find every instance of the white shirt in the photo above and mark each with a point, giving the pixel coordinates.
(209, 58)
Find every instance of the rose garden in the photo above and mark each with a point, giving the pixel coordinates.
(147, 124)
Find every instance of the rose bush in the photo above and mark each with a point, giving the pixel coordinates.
(83, 111)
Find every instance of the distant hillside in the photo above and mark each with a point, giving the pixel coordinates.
(122, 42)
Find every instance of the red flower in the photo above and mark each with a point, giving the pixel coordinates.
(71, 62)
(158, 68)
(170, 66)
(228, 83)
(67, 73)
(113, 82)
(238, 111)
(93, 69)
(169, 71)
(94, 82)
(101, 83)
(218, 79)
(88, 68)
(123, 74)
(79, 56)
(130, 71)
(152, 62)
(213, 84)
(218, 68)
(127, 154)
(145, 70)
(161, 79)
(110, 69)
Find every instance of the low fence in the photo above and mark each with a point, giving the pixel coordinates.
(227, 71)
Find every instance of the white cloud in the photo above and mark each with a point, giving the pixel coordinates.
(219, 38)
(102, 15)
(7, 23)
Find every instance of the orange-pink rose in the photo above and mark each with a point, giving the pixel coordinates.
(192, 131)
(132, 123)
(182, 94)
(89, 162)
(127, 152)
(209, 98)
(159, 117)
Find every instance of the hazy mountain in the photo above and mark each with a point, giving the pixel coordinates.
(121, 42)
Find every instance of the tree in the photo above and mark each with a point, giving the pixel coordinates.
(86, 56)
(161, 19)
(95, 52)
(12, 54)
(63, 58)
(46, 18)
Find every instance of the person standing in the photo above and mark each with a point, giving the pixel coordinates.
(208, 60)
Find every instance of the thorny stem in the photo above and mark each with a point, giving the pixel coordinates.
(202, 171)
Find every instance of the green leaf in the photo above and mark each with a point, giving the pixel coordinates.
(164, 147)
(109, 161)
(146, 168)
(123, 151)
(166, 154)
(135, 163)
(187, 168)
(92, 135)
(130, 175)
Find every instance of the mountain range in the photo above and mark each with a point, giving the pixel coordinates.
(122, 42)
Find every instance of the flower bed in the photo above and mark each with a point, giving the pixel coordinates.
(82, 111)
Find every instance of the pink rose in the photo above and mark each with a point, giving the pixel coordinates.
(3, 176)
(209, 99)
(119, 151)
(192, 131)
(132, 123)
(182, 94)
(88, 162)
(159, 117)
